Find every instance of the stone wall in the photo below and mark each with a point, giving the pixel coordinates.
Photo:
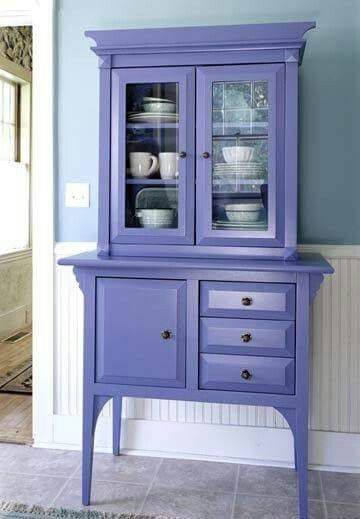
(16, 45)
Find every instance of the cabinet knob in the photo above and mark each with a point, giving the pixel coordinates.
(247, 301)
(166, 334)
(182, 154)
(246, 375)
(205, 155)
(246, 337)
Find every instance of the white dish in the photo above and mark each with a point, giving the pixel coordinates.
(155, 217)
(240, 166)
(245, 211)
(149, 117)
(163, 108)
(224, 224)
(233, 177)
(243, 216)
(157, 198)
(147, 99)
(246, 205)
(238, 153)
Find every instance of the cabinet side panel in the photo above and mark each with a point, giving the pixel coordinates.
(104, 161)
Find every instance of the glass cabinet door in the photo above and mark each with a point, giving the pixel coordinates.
(152, 170)
(240, 170)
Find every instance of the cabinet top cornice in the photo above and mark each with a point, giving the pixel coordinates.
(204, 38)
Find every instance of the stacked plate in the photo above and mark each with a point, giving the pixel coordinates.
(260, 225)
(152, 117)
(242, 169)
(156, 110)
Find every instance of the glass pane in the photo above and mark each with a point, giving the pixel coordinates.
(152, 155)
(7, 121)
(240, 155)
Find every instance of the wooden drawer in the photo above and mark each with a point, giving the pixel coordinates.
(245, 373)
(252, 300)
(247, 337)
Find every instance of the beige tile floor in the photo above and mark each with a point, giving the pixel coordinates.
(181, 488)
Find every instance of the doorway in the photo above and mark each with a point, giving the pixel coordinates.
(15, 234)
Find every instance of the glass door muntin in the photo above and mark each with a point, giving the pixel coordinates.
(157, 167)
(211, 162)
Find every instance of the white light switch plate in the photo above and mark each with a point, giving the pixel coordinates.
(77, 194)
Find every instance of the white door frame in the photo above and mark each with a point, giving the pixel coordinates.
(41, 15)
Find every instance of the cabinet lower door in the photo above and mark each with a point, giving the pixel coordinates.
(140, 332)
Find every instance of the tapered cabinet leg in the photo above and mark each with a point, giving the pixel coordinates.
(92, 406)
(302, 461)
(117, 409)
(87, 447)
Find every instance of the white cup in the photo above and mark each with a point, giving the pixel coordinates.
(169, 165)
(142, 164)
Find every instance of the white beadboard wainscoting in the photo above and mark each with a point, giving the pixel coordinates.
(15, 291)
(235, 433)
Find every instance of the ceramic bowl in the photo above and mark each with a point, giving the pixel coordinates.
(163, 108)
(233, 154)
(247, 211)
(155, 217)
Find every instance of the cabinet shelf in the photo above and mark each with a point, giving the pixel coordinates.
(152, 182)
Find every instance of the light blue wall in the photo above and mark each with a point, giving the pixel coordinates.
(330, 101)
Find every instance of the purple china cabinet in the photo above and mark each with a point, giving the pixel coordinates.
(197, 291)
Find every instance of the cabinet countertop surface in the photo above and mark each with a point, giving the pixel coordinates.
(306, 262)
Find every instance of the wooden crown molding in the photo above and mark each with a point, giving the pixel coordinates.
(286, 36)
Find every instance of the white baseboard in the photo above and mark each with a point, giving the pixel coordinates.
(232, 444)
(15, 320)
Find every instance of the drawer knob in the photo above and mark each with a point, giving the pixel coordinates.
(246, 375)
(246, 337)
(166, 334)
(205, 155)
(247, 301)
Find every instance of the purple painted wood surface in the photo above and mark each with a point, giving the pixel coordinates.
(307, 262)
(119, 232)
(247, 337)
(274, 235)
(245, 373)
(104, 162)
(204, 251)
(272, 46)
(251, 300)
(177, 40)
(133, 319)
(142, 282)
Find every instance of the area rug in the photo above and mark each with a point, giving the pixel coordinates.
(17, 380)
(21, 511)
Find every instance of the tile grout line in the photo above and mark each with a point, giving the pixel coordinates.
(150, 486)
(235, 492)
(272, 496)
(64, 485)
(322, 493)
(36, 474)
(351, 503)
